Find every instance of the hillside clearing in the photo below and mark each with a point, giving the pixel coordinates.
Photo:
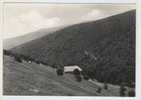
(33, 79)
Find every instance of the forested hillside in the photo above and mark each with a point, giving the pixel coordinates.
(104, 49)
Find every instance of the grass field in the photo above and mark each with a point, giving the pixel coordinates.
(34, 79)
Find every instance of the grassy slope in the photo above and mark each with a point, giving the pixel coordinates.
(111, 40)
(32, 79)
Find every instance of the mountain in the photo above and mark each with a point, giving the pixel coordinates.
(13, 42)
(110, 41)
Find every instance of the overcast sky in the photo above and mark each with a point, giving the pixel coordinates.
(20, 19)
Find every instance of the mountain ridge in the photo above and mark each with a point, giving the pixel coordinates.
(13, 42)
(111, 40)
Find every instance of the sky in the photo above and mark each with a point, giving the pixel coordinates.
(21, 19)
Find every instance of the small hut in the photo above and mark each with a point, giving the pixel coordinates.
(70, 69)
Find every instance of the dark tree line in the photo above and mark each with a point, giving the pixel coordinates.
(21, 57)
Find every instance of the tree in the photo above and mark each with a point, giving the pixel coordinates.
(86, 77)
(122, 89)
(131, 92)
(54, 65)
(60, 71)
(105, 86)
(99, 89)
(7, 52)
(18, 59)
(37, 61)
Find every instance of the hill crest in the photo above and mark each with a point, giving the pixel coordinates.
(110, 40)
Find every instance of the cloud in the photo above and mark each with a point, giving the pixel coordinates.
(22, 19)
(94, 14)
(28, 22)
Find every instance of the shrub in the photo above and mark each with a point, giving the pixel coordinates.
(60, 72)
(54, 66)
(18, 59)
(5, 52)
(122, 90)
(131, 84)
(86, 77)
(99, 89)
(8, 53)
(131, 93)
(37, 62)
(105, 86)
(78, 78)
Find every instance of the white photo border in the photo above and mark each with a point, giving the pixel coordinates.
(138, 49)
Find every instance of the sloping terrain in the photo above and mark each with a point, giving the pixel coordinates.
(34, 79)
(111, 41)
(13, 42)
